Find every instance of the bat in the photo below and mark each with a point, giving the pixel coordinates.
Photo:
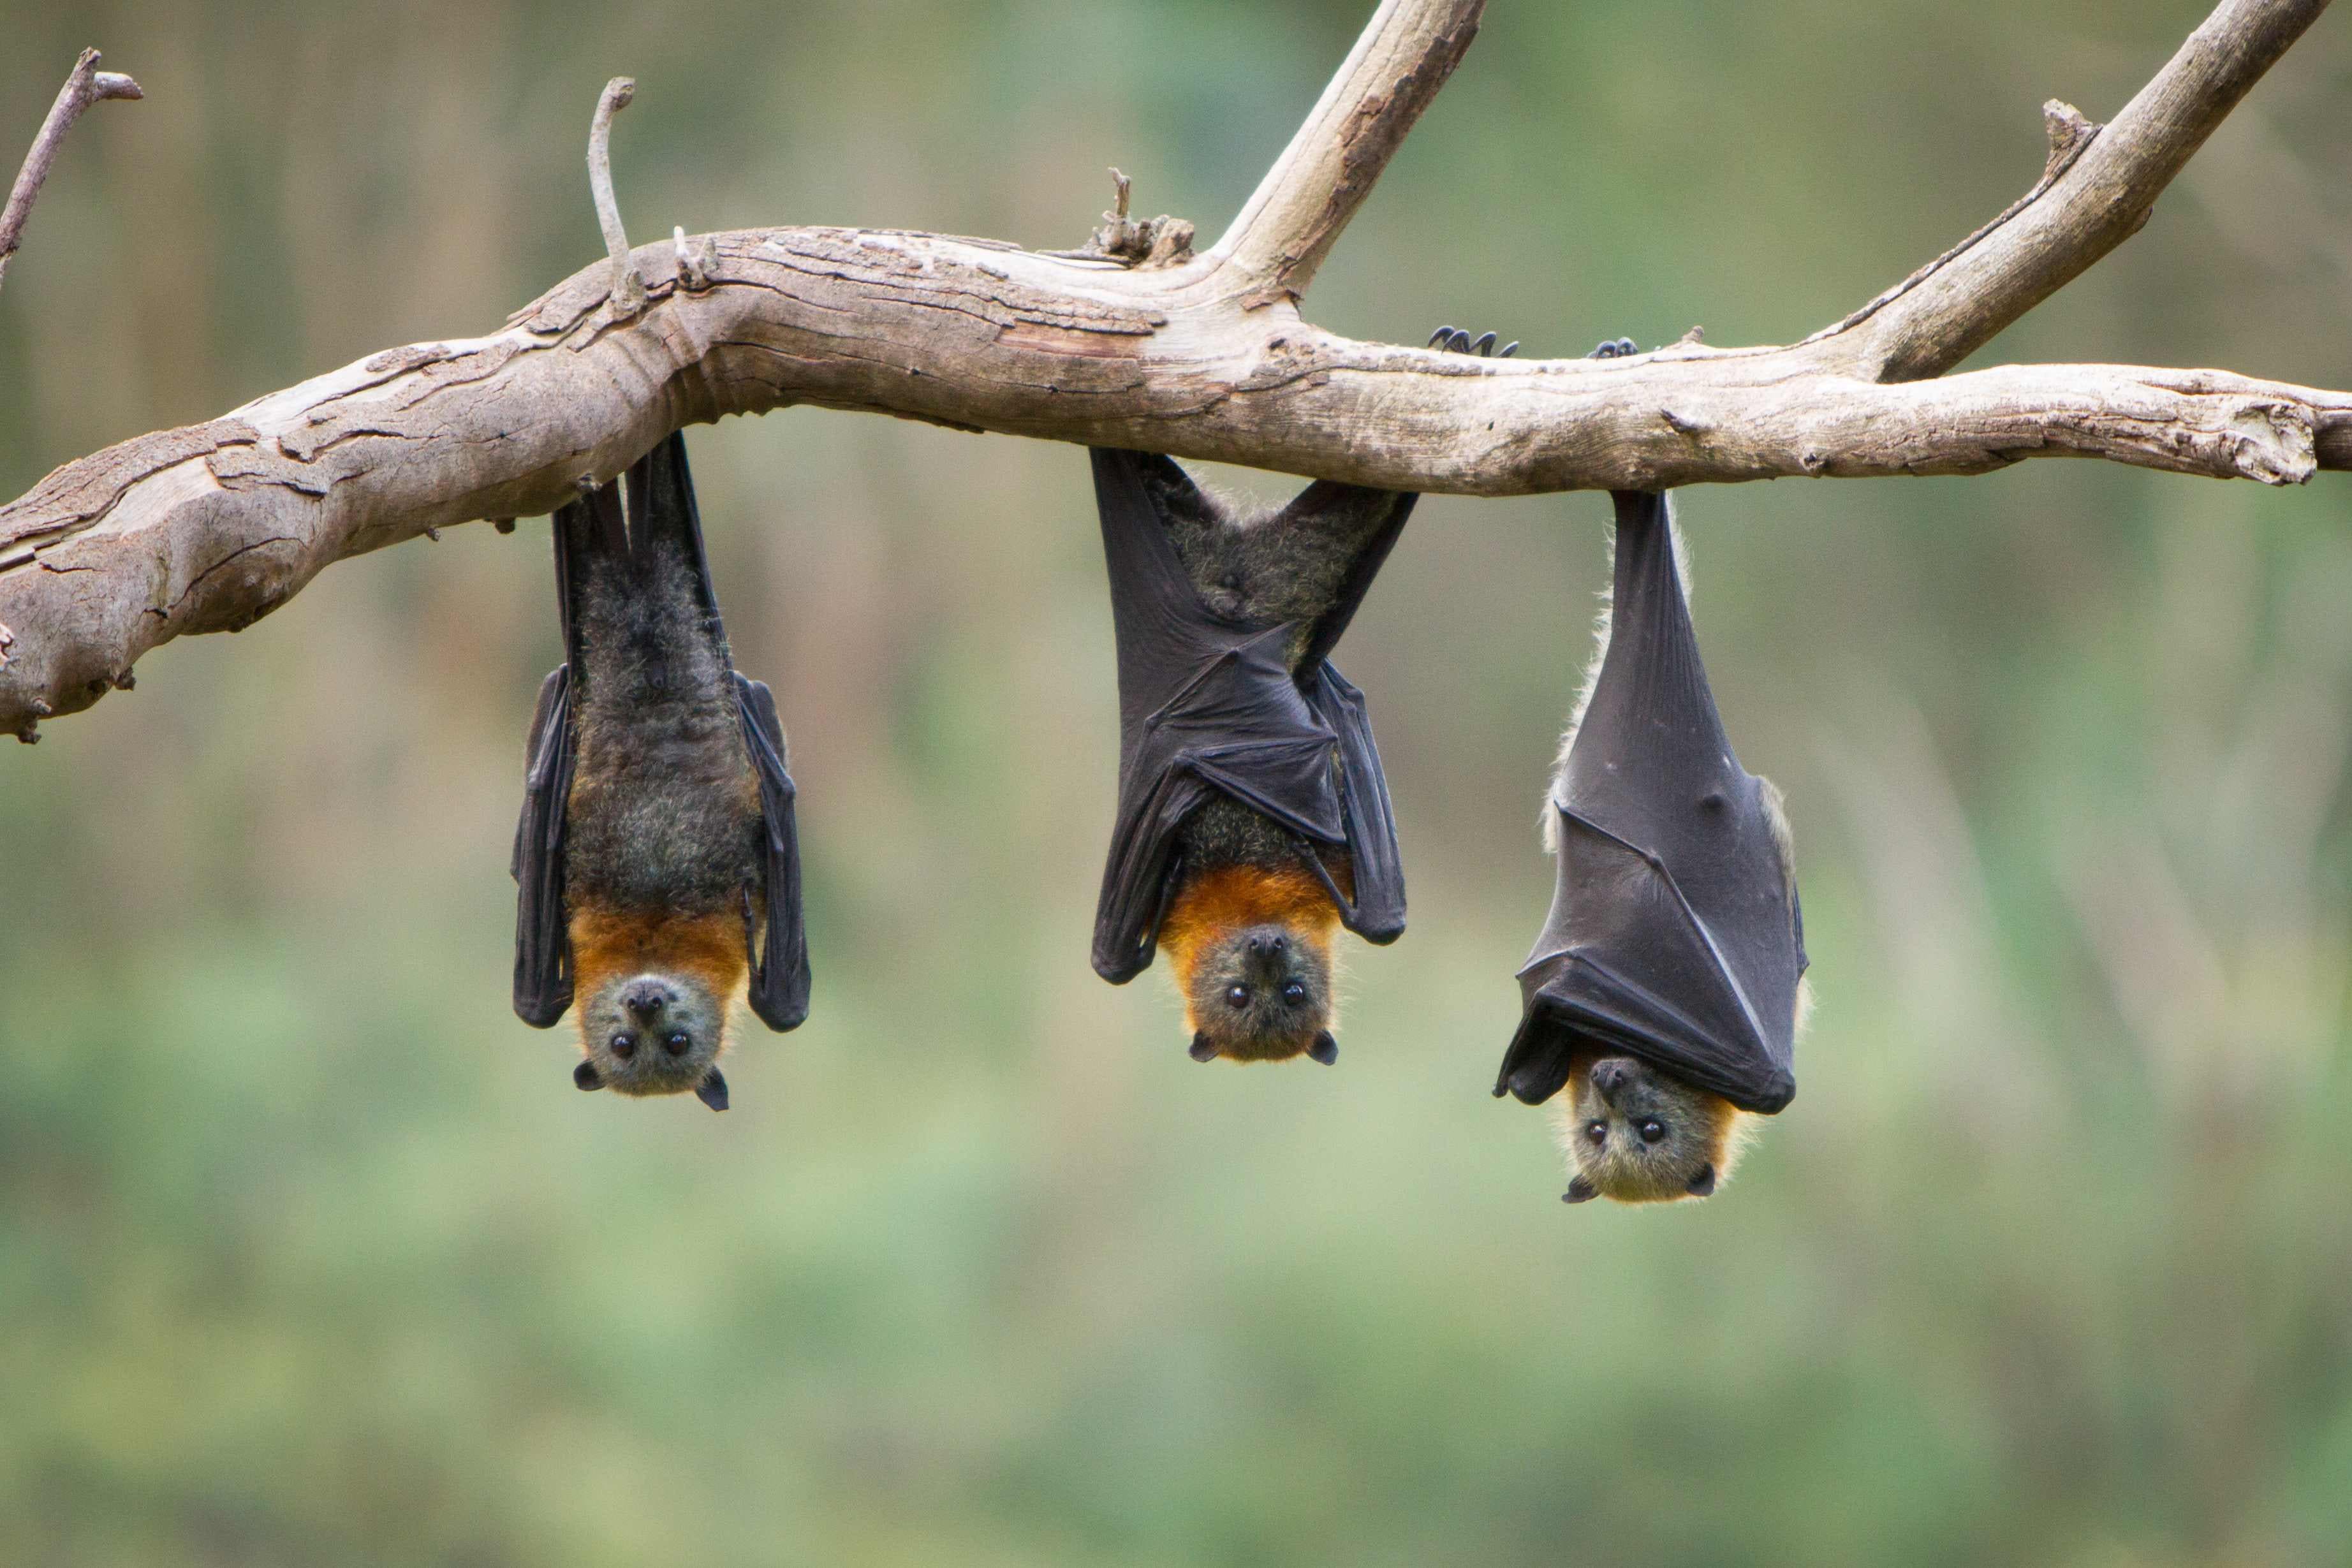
(656, 860)
(1252, 817)
(1664, 989)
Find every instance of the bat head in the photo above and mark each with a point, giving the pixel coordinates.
(1261, 993)
(1639, 1135)
(654, 1032)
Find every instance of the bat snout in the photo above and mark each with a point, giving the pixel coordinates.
(645, 998)
(1611, 1075)
(1270, 954)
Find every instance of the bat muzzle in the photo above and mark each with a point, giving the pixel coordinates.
(645, 999)
(1611, 1075)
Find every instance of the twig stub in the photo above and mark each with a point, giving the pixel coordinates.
(628, 288)
(85, 84)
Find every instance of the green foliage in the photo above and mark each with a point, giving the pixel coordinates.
(308, 1253)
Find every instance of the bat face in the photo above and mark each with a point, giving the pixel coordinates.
(650, 1034)
(1637, 1135)
(1252, 952)
(1262, 993)
(653, 995)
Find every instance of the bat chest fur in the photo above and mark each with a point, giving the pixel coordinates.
(1224, 833)
(1260, 576)
(665, 806)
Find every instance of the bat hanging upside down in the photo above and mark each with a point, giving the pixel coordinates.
(1666, 988)
(657, 859)
(1253, 821)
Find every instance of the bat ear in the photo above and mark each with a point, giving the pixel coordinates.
(1203, 1048)
(1580, 1190)
(1703, 1183)
(1324, 1049)
(713, 1091)
(586, 1076)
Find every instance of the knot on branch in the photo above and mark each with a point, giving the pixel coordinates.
(2275, 442)
(2070, 131)
(1162, 240)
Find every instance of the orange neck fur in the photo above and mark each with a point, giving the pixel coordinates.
(607, 944)
(1233, 897)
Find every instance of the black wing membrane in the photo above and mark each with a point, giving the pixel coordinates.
(1675, 934)
(660, 490)
(542, 972)
(1208, 706)
(779, 964)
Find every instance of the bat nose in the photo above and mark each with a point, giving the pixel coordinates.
(645, 998)
(1610, 1076)
(1268, 944)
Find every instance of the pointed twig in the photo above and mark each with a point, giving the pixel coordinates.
(628, 288)
(84, 86)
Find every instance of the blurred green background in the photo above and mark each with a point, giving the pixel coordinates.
(310, 1254)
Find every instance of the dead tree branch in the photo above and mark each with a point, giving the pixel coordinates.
(208, 527)
(85, 84)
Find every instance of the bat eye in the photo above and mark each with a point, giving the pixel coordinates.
(1652, 1130)
(676, 1043)
(1294, 993)
(1237, 996)
(625, 1045)
(1598, 1132)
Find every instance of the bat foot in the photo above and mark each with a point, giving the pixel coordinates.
(1612, 349)
(1452, 341)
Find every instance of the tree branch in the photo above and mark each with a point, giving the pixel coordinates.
(85, 84)
(2101, 184)
(211, 527)
(1289, 223)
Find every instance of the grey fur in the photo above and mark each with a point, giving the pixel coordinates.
(665, 811)
(1259, 574)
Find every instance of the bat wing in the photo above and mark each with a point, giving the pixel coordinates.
(1674, 932)
(1376, 913)
(581, 531)
(780, 967)
(1208, 708)
(542, 972)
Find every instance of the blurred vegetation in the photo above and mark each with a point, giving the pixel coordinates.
(308, 1252)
